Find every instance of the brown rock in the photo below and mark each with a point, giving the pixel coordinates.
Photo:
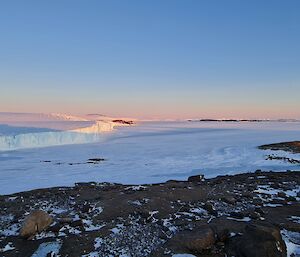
(210, 209)
(254, 215)
(259, 210)
(86, 208)
(229, 199)
(276, 185)
(34, 223)
(65, 220)
(203, 239)
(281, 194)
(222, 234)
(55, 228)
(247, 194)
(77, 223)
(260, 240)
(291, 199)
(237, 215)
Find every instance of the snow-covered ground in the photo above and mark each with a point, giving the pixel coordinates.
(146, 153)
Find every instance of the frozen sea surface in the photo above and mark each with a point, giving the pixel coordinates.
(148, 153)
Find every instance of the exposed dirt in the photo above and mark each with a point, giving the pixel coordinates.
(214, 217)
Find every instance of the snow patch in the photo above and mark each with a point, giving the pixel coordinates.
(292, 241)
(8, 247)
(98, 242)
(245, 219)
(183, 255)
(45, 248)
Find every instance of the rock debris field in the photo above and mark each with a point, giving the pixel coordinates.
(251, 214)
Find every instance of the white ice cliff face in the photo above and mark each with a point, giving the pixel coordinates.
(21, 130)
(98, 127)
(89, 134)
(32, 140)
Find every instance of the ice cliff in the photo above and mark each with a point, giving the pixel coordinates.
(50, 130)
(43, 139)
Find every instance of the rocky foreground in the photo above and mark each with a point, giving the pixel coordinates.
(254, 214)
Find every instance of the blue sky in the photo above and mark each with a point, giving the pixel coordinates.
(149, 59)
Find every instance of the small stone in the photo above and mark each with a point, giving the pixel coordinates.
(237, 215)
(254, 215)
(281, 194)
(276, 185)
(77, 223)
(247, 195)
(55, 228)
(65, 220)
(291, 199)
(210, 209)
(259, 210)
(86, 208)
(51, 254)
(229, 199)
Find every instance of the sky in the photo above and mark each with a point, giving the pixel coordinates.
(151, 59)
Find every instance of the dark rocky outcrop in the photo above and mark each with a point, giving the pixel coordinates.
(293, 146)
(196, 178)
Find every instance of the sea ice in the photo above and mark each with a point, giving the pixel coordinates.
(150, 152)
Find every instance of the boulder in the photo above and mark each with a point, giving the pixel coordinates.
(196, 178)
(260, 240)
(35, 222)
(203, 239)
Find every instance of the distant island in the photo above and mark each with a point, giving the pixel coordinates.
(242, 120)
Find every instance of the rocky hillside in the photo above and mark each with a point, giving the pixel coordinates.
(254, 214)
